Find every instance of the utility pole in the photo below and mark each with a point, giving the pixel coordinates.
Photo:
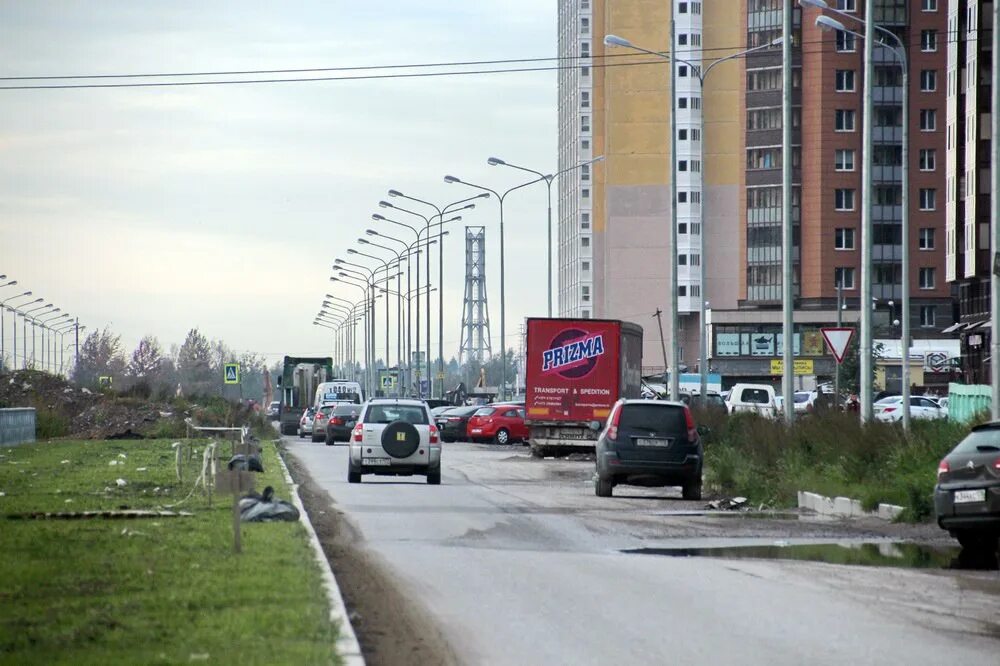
(788, 270)
(836, 375)
(663, 344)
(865, 343)
(995, 220)
(675, 319)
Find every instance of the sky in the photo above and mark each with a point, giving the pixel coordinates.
(155, 210)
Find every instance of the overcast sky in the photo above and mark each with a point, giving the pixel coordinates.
(152, 210)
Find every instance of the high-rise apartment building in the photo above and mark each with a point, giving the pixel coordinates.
(614, 227)
(967, 200)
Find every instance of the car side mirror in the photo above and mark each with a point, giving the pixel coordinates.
(596, 426)
(704, 430)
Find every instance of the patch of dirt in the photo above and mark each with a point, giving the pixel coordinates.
(391, 628)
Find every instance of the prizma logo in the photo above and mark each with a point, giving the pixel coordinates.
(573, 353)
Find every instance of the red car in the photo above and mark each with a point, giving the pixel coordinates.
(502, 424)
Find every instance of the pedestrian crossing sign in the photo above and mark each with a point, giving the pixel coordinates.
(388, 381)
(232, 375)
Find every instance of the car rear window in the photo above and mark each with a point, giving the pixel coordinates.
(757, 396)
(389, 413)
(327, 409)
(654, 417)
(485, 411)
(344, 410)
(985, 437)
(801, 397)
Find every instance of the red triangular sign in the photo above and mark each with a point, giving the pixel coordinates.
(838, 339)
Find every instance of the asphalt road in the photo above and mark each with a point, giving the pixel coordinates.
(517, 562)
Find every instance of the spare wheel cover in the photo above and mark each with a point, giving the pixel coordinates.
(400, 439)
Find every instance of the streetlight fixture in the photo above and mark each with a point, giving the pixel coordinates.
(503, 300)
(548, 178)
(698, 72)
(899, 50)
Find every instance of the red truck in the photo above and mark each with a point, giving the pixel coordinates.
(576, 370)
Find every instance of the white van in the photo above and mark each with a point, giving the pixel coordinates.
(339, 390)
(757, 398)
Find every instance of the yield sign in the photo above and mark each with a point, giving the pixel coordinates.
(838, 339)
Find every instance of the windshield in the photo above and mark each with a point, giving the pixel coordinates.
(987, 437)
(390, 413)
(485, 411)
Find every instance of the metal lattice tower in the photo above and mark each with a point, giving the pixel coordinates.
(475, 313)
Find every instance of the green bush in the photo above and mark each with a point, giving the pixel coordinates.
(50, 424)
(832, 454)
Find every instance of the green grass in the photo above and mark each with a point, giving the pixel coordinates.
(831, 454)
(148, 591)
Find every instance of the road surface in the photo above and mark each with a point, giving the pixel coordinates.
(517, 562)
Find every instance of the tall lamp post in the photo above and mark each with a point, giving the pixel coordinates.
(899, 50)
(24, 331)
(2, 308)
(701, 74)
(501, 197)
(43, 324)
(399, 296)
(547, 178)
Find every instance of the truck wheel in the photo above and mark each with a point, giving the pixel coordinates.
(602, 488)
(502, 437)
(692, 491)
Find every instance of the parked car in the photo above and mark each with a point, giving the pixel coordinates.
(502, 424)
(434, 403)
(758, 398)
(306, 421)
(693, 399)
(395, 437)
(320, 420)
(891, 409)
(649, 442)
(274, 411)
(341, 423)
(967, 494)
(453, 423)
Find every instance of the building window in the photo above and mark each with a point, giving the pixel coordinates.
(926, 239)
(928, 40)
(682, 260)
(845, 42)
(927, 315)
(584, 220)
(585, 71)
(585, 241)
(682, 290)
(584, 26)
(682, 135)
(682, 228)
(844, 120)
(843, 239)
(585, 99)
(585, 314)
(585, 193)
(585, 144)
(682, 197)
(843, 160)
(845, 80)
(682, 102)
(696, 260)
(843, 277)
(929, 5)
(585, 265)
(928, 159)
(584, 123)
(844, 199)
(682, 165)
(928, 120)
(847, 5)
(585, 294)
(928, 198)
(682, 8)
(928, 80)
(585, 172)
(926, 278)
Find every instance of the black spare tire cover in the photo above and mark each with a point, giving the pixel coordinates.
(400, 439)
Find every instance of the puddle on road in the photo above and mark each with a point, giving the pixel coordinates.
(881, 554)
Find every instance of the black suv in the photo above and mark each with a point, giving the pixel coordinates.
(967, 495)
(650, 443)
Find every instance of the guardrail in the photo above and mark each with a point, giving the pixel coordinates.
(17, 426)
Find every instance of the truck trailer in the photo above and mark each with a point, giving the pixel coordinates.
(576, 369)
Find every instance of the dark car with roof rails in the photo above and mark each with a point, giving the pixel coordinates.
(649, 443)
(967, 494)
(453, 423)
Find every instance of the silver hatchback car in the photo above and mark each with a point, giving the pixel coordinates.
(395, 438)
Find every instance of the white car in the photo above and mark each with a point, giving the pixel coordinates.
(757, 398)
(395, 438)
(890, 409)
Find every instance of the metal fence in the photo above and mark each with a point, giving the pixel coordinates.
(17, 426)
(967, 401)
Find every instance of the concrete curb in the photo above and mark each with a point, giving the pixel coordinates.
(347, 644)
(845, 507)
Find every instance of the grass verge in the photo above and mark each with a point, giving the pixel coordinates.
(831, 454)
(148, 591)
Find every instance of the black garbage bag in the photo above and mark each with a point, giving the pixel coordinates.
(243, 462)
(257, 508)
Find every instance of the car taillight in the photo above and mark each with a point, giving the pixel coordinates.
(320, 416)
(434, 434)
(613, 428)
(691, 427)
(358, 430)
(943, 468)
(996, 464)
(336, 420)
(888, 409)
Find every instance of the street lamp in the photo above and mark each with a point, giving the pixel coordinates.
(496, 161)
(899, 50)
(399, 300)
(503, 300)
(700, 74)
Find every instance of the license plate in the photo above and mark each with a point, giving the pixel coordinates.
(645, 441)
(570, 433)
(964, 496)
(476, 431)
(376, 462)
